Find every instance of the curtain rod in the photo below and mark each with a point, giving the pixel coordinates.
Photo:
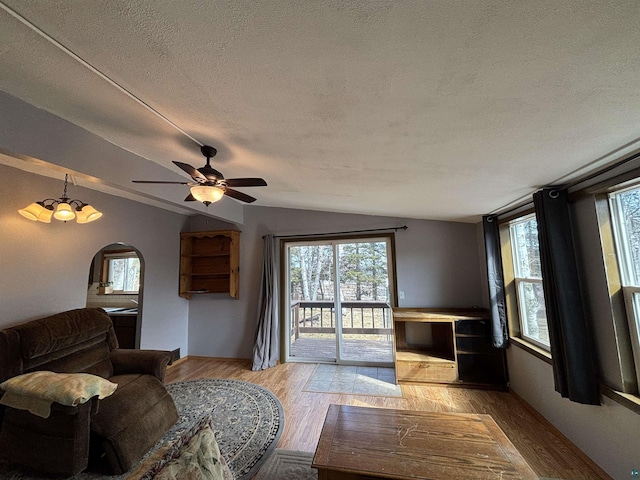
(404, 227)
(502, 213)
(578, 181)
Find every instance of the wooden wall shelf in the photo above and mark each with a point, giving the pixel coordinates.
(209, 262)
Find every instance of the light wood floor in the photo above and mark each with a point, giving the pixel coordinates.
(548, 452)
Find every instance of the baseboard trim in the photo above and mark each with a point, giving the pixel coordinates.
(586, 459)
(219, 359)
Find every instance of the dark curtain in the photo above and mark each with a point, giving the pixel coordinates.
(499, 328)
(266, 350)
(573, 356)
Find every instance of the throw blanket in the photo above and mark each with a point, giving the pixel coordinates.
(36, 391)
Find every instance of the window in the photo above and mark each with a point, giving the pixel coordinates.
(122, 270)
(625, 210)
(527, 275)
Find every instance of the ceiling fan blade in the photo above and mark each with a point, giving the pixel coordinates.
(195, 174)
(243, 197)
(245, 182)
(160, 181)
(190, 198)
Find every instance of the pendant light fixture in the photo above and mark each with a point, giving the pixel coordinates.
(63, 209)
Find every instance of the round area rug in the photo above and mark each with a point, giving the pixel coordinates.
(247, 419)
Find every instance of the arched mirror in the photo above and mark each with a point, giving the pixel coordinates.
(115, 284)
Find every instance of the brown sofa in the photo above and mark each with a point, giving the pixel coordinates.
(110, 435)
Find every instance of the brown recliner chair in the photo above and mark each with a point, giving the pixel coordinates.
(111, 434)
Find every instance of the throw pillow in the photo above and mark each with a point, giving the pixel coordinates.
(193, 456)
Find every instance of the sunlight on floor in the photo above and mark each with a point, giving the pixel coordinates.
(354, 380)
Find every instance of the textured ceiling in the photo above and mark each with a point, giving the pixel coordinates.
(423, 109)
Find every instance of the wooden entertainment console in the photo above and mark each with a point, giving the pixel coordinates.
(450, 346)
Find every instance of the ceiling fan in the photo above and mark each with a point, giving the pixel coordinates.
(209, 185)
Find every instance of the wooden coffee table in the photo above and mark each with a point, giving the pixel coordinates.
(365, 443)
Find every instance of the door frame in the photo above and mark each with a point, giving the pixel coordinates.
(388, 237)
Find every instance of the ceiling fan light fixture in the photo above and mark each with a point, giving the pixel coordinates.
(207, 194)
(204, 187)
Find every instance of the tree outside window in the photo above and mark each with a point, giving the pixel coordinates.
(528, 279)
(122, 270)
(625, 209)
(363, 271)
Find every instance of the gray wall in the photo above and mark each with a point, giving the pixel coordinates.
(608, 434)
(44, 268)
(34, 132)
(437, 265)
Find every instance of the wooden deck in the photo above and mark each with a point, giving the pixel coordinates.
(372, 351)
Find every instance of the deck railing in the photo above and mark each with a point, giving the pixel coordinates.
(358, 317)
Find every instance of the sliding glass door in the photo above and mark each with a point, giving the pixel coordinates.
(312, 319)
(339, 299)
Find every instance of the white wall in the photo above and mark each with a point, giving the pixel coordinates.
(44, 268)
(437, 265)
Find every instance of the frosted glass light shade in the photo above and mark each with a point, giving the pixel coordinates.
(45, 215)
(88, 214)
(64, 212)
(32, 211)
(81, 217)
(207, 194)
(37, 212)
